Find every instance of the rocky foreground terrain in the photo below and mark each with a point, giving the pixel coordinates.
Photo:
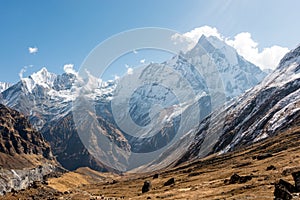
(25, 157)
(248, 173)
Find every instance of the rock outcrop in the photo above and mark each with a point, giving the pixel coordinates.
(25, 157)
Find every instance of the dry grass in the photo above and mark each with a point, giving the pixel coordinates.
(80, 177)
(204, 179)
(201, 179)
(20, 161)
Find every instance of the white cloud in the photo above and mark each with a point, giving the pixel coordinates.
(190, 39)
(143, 61)
(269, 57)
(68, 68)
(33, 50)
(23, 70)
(207, 31)
(185, 42)
(91, 83)
(129, 69)
(116, 77)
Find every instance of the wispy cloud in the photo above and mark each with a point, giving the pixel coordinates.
(243, 42)
(33, 50)
(116, 77)
(69, 69)
(23, 70)
(143, 61)
(129, 69)
(207, 31)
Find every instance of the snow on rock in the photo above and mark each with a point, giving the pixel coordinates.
(4, 86)
(261, 112)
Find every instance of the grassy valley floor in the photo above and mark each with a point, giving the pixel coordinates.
(265, 162)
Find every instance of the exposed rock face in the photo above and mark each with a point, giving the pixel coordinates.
(296, 176)
(18, 179)
(281, 192)
(68, 147)
(25, 156)
(18, 137)
(285, 190)
(4, 86)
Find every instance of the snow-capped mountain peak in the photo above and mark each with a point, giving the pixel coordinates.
(43, 78)
(237, 74)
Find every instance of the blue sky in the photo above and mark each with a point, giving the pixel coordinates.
(66, 31)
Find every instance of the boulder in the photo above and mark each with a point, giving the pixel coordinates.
(146, 187)
(282, 192)
(296, 177)
(169, 182)
(235, 178)
(155, 176)
(271, 167)
(262, 156)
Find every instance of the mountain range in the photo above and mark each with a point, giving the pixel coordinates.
(216, 108)
(264, 111)
(46, 98)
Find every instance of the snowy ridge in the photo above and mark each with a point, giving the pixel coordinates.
(42, 78)
(237, 74)
(4, 86)
(261, 112)
(47, 98)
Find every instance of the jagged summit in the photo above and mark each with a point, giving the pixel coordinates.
(292, 56)
(4, 86)
(237, 74)
(42, 78)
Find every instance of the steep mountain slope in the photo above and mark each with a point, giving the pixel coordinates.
(47, 99)
(18, 137)
(68, 147)
(237, 74)
(205, 178)
(24, 154)
(262, 112)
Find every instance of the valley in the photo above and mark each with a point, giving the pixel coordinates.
(204, 124)
(198, 179)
